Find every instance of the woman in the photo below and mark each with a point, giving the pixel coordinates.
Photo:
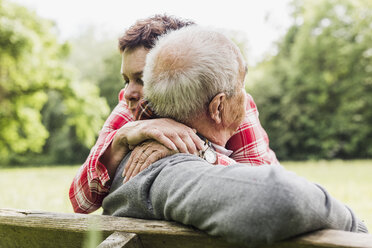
(120, 133)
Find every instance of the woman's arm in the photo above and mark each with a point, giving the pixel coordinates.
(173, 135)
(89, 186)
(119, 134)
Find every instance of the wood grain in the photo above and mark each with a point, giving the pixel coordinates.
(20, 228)
(121, 240)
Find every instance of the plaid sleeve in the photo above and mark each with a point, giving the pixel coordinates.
(89, 187)
(250, 143)
(225, 160)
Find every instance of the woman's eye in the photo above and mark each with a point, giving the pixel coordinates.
(126, 82)
(139, 81)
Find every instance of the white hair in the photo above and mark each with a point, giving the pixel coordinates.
(187, 68)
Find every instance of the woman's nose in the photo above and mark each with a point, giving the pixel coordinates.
(133, 92)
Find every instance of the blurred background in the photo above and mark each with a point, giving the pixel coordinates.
(310, 73)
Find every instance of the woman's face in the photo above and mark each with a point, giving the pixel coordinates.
(133, 62)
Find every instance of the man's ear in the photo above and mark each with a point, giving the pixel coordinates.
(216, 106)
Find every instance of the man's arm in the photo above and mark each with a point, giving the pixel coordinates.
(243, 204)
(250, 143)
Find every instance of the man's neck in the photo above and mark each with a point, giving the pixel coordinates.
(210, 130)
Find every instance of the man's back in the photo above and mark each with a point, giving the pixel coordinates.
(243, 204)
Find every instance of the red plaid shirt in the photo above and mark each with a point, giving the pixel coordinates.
(250, 145)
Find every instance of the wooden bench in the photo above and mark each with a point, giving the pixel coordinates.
(20, 228)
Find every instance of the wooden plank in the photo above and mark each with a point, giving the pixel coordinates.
(47, 225)
(121, 240)
(20, 236)
(19, 228)
(79, 222)
(336, 238)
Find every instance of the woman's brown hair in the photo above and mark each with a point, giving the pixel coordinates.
(146, 31)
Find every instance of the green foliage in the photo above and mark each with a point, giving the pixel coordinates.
(88, 51)
(97, 58)
(111, 81)
(33, 74)
(315, 94)
(25, 50)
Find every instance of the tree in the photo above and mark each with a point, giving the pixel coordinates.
(31, 67)
(315, 94)
(111, 81)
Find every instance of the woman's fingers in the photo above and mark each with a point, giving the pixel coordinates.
(171, 135)
(189, 142)
(160, 136)
(197, 140)
(174, 135)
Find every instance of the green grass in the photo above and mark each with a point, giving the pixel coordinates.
(46, 188)
(37, 188)
(347, 181)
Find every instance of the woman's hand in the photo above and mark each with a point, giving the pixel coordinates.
(144, 155)
(172, 134)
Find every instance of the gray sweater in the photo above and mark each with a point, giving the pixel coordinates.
(243, 204)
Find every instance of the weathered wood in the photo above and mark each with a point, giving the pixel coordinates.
(121, 240)
(336, 238)
(20, 228)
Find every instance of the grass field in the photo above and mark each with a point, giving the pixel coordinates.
(46, 188)
(37, 188)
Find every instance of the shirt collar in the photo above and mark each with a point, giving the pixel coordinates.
(221, 149)
(217, 148)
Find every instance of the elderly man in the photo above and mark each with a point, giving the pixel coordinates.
(196, 76)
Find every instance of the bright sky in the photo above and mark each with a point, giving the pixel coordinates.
(260, 22)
